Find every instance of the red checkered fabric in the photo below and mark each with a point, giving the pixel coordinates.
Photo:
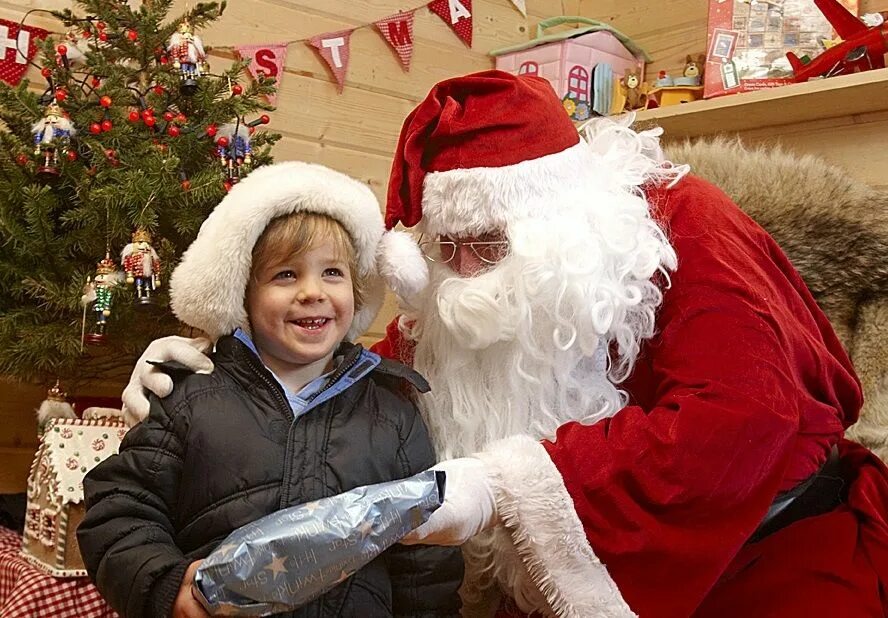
(26, 592)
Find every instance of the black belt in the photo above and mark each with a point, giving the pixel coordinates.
(818, 494)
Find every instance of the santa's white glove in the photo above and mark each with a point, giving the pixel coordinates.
(469, 506)
(189, 352)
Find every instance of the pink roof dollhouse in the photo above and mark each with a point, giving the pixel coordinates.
(583, 65)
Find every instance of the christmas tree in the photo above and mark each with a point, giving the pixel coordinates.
(107, 177)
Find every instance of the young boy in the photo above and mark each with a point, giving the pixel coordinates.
(283, 274)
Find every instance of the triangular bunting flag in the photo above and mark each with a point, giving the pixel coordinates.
(457, 14)
(333, 48)
(265, 59)
(398, 31)
(18, 45)
(521, 5)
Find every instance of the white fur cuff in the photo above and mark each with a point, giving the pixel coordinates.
(535, 507)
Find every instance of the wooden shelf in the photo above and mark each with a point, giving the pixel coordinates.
(846, 95)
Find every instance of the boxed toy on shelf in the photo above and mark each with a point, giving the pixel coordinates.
(749, 39)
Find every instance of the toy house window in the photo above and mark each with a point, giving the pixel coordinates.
(529, 68)
(578, 84)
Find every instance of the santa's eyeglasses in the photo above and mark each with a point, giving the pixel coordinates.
(443, 251)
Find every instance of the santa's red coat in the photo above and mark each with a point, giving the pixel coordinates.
(740, 395)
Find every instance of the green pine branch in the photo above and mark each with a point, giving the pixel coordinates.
(110, 180)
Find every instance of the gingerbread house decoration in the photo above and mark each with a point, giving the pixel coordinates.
(584, 65)
(69, 448)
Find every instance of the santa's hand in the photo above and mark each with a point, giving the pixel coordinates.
(469, 506)
(189, 352)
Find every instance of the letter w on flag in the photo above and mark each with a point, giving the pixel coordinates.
(398, 31)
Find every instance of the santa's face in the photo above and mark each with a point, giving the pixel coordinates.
(468, 256)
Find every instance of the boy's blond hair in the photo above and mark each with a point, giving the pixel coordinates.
(291, 235)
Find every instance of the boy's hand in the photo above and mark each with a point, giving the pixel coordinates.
(185, 605)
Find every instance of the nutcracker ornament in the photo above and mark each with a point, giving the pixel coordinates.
(233, 148)
(188, 55)
(52, 135)
(142, 266)
(97, 297)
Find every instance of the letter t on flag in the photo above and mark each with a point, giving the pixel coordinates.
(398, 31)
(333, 48)
(457, 14)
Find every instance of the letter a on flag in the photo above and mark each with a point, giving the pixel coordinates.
(333, 48)
(457, 14)
(398, 31)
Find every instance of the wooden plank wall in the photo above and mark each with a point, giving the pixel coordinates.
(356, 131)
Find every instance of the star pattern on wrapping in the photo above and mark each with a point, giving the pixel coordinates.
(276, 566)
(366, 528)
(226, 549)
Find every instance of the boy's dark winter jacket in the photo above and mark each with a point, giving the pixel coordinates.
(224, 450)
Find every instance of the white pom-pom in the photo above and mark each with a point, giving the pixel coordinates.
(53, 408)
(402, 264)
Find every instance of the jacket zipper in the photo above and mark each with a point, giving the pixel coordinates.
(341, 371)
(283, 407)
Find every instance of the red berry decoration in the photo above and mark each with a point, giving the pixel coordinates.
(227, 184)
(149, 121)
(168, 116)
(95, 128)
(103, 36)
(100, 25)
(186, 185)
(132, 35)
(181, 119)
(251, 130)
(134, 116)
(72, 155)
(106, 125)
(158, 89)
(164, 60)
(46, 72)
(61, 95)
(211, 130)
(173, 130)
(63, 51)
(236, 89)
(264, 119)
(111, 153)
(22, 159)
(223, 141)
(105, 101)
(96, 82)
(86, 34)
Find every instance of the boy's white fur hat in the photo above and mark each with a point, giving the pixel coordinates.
(208, 287)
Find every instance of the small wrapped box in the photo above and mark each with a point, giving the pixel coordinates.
(291, 557)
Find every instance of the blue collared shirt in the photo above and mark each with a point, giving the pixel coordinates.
(311, 395)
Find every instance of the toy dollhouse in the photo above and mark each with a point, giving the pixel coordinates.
(584, 65)
(69, 448)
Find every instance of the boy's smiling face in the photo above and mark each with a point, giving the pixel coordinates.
(301, 307)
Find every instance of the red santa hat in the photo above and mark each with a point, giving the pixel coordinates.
(208, 286)
(479, 152)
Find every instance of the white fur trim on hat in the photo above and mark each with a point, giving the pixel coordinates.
(402, 264)
(207, 288)
(472, 201)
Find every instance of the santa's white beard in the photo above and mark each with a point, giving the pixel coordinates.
(544, 337)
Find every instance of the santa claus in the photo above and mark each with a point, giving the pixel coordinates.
(639, 406)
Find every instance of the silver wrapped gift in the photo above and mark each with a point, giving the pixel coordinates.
(291, 557)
